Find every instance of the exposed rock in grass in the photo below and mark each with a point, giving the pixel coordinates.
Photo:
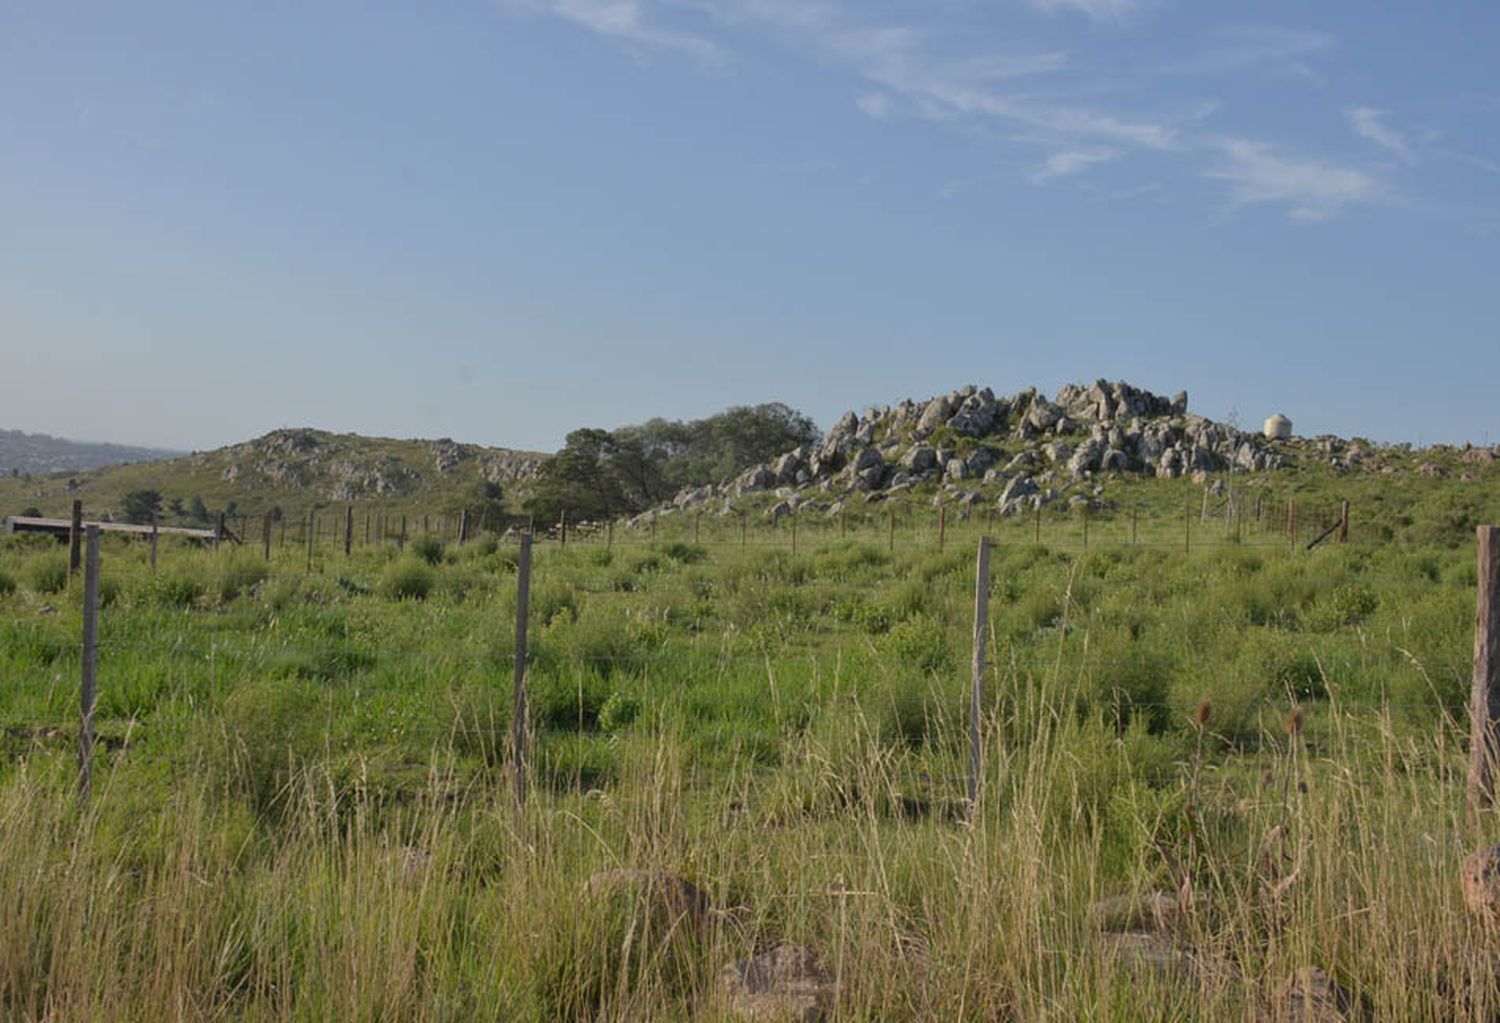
(676, 895)
(1480, 875)
(1309, 996)
(1158, 911)
(783, 985)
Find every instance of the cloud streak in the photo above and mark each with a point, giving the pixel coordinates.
(1098, 10)
(1311, 190)
(624, 20)
(1070, 162)
(1369, 124)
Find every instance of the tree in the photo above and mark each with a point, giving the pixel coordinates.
(141, 506)
(198, 510)
(607, 473)
(175, 507)
(483, 500)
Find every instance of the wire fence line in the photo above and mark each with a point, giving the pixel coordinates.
(991, 661)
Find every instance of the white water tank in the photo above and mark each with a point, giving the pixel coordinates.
(1278, 427)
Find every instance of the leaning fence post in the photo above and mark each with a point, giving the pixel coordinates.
(981, 637)
(518, 724)
(90, 665)
(1484, 702)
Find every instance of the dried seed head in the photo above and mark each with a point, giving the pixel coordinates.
(1294, 722)
(1205, 708)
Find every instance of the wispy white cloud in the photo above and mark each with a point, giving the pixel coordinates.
(1099, 10)
(1369, 124)
(1281, 50)
(1310, 189)
(1071, 161)
(897, 59)
(874, 104)
(624, 20)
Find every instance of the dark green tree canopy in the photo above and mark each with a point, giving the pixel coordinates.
(141, 506)
(606, 473)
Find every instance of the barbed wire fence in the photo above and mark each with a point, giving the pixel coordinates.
(988, 660)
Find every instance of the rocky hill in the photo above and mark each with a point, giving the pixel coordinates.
(1022, 451)
(38, 453)
(291, 469)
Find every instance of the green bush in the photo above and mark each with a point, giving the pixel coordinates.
(47, 574)
(429, 548)
(7, 584)
(618, 712)
(239, 575)
(172, 589)
(407, 579)
(920, 644)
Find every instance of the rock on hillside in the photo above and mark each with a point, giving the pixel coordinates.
(347, 468)
(1026, 444)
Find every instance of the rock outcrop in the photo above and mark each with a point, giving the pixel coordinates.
(1025, 447)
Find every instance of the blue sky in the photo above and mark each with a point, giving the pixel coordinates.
(500, 221)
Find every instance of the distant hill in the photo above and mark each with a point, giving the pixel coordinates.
(293, 470)
(39, 453)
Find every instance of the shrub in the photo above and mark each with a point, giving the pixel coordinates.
(919, 643)
(239, 575)
(273, 725)
(172, 589)
(47, 574)
(407, 579)
(429, 548)
(618, 711)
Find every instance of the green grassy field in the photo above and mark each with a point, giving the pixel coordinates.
(302, 804)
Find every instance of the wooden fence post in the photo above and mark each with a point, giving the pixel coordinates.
(1344, 522)
(1134, 516)
(401, 540)
(1187, 525)
(75, 539)
(518, 723)
(1291, 521)
(90, 666)
(562, 527)
(312, 532)
(891, 521)
(697, 526)
(609, 535)
(942, 524)
(155, 536)
(1484, 702)
(463, 527)
(265, 535)
(981, 638)
(1037, 515)
(348, 529)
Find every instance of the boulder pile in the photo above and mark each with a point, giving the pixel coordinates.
(1026, 447)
